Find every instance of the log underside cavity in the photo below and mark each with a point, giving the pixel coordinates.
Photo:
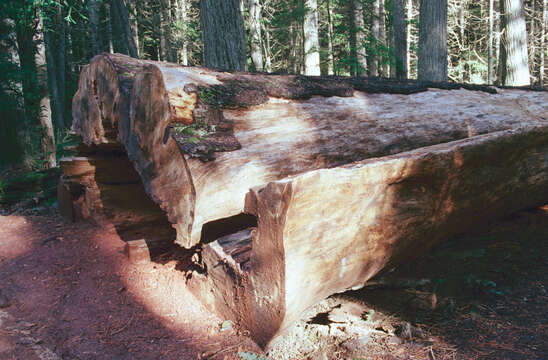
(297, 187)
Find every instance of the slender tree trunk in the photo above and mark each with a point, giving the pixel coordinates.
(360, 57)
(48, 51)
(400, 38)
(375, 36)
(109, 27)
(383, 63)
(311, 39)
(61, 59)
(93, 12)
(543, 47)
(48, 137)
(462, 26)
(133, 24)
(127, 35)
(490, 44)
(293, 48)
(514, 57)
(120, 40)
(255, 32)
(330, 61)
(227, 51)
(183, 18)
(409, 39)
(166, 31)
(433, 40)
(267, 49)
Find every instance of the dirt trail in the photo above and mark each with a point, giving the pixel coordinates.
(67, 291)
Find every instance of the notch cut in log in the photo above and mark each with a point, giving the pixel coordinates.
(339, 177)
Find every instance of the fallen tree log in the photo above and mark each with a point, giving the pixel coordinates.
(299, 187)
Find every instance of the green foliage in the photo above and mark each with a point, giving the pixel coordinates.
(250, 356)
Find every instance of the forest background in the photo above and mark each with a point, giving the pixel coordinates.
(45, 43)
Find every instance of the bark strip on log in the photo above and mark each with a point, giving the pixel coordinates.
(314, 183)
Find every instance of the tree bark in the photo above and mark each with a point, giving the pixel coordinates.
(543, 47)
(267, 176)
(490, 43)
(311, 39)
(48, 136)
(227, 51)
(61, 69)
(267, 49)
(433, 40)
(183, 18)
(383, 41)
(134, 25)
(330, 57)
(51, 65)
(255, 31)
(375, 35)
(108, 16)
(409, 39)
(360, 58)
(400, 38)
(166, 36)
(514, 58)
(128, 37)
(93, 13)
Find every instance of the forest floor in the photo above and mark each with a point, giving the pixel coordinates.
(67, 291)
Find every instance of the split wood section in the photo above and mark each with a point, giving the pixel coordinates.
(300, 187)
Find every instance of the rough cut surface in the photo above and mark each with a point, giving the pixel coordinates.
(340, 177)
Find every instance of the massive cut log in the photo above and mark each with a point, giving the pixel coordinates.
(297, 187)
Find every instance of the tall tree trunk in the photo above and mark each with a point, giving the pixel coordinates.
(48, 137)
(514, 57)
(433, 40)
(61, 58)
(93, 12)
(383, 63)
(133, 24)
(490, 44)
(128, 37)
(47, 49)
(293, 48)
(267, 49)
(400, 38)
(227, 51)
(183, 18)
(543, 47)
(166, 31)
(109, 27)
(330, 61)
(255, 32)
(462, 48)
(311, 39)
(409, 39)
(120, 41)
(375, 35)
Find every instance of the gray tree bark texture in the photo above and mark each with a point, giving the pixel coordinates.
(514, 58)
(280, 170)
(255, 31)
(311, 39)
(432, 40)
(48, 137)
(375, 32)
(359, 37)
(51, 63)
(543, 46)
(400, 38)
(126, 27)
(93, 12)
(223, 34)
(490, 42)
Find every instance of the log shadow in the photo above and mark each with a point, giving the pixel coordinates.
(478, 289)
(78, 296)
